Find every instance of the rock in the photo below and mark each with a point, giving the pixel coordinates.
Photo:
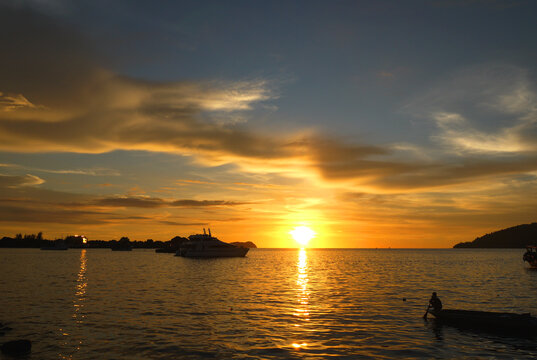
(17, 347)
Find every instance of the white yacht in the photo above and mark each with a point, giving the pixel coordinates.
(206, 246)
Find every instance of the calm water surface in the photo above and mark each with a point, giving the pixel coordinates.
(273, 304)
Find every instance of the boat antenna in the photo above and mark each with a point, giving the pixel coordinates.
(204, 233)
(209, 231)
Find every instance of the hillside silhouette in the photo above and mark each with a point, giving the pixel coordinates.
(514, 237)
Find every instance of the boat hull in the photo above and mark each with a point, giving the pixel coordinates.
(488, 320)
(206, 246)
(213, 253)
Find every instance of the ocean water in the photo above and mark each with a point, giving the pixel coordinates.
(272, 304)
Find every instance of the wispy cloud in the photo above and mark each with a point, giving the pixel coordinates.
(19, 181)
(87, 172)
(195, 182)
(151, 202)
(182, 223)
(49, 215)
(457, 133)
(14, 102)
(196, 203)
(487, 109)
(23, 201)
(143, 202)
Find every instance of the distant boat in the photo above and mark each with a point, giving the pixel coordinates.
(486, 320)
(57, 245)
(206, 246)
(531, 256)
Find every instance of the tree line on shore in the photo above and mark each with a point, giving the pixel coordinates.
(80, 241)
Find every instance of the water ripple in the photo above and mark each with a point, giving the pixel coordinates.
(274, 304)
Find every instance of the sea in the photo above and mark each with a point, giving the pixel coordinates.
(271, 304)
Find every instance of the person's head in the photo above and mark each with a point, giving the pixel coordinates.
(434, 294)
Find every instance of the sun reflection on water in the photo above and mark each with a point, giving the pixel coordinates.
(81, 281)
(80, 293)
(302, 284)
(301, 311)
(71, 336)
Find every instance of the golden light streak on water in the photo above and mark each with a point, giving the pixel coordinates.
(80, 293)
(301, 311)
(302, 285)
(70, 337)
(81, 281)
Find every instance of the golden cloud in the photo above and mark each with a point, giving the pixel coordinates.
(14, 102)
(19, 181)
(82, 107)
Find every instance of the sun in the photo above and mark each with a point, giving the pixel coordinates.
(302, 234)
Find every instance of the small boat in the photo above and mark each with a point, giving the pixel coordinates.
(56, 245)
(531, 256)
(207, 246)
(487, 320)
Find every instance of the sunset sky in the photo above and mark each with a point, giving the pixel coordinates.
(374, 123)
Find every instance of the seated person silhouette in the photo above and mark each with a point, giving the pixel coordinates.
(435, 303)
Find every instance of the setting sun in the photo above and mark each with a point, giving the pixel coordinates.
(302, 234)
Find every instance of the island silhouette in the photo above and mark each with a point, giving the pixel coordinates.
(518, 236)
